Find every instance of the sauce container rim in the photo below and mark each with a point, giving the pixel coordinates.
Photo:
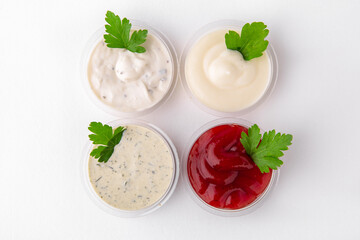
(129, 213)
(228, 24)
(88, 49)
(196, 198)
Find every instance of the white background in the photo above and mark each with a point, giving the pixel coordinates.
(45, 113)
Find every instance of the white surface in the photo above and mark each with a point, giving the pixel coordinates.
(45, 114)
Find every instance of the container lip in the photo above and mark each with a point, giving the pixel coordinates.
(86, 54)
(236, 25)
(195, 197)
(129, 213)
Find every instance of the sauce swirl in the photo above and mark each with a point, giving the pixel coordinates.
(220, 78)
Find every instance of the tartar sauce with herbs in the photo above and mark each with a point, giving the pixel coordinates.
(138, 173)
(128, 81)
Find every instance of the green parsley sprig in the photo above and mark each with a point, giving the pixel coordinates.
(106, 138)
(251, 44)
(119, 34)
(265, 151)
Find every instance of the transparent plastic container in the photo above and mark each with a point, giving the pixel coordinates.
(227, 25)
(185, 177)
(129, 213)
(95, 39)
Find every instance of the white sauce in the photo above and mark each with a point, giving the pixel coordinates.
(220, 78)
(128, 81)
(138, 173)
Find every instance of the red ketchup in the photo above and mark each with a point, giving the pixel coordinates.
(221, 172)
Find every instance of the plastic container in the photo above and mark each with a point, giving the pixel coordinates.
(95, 39)
(218, 211)
(227, 25)
(129, 213)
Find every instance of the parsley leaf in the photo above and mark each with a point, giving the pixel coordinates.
(106, 137)
(119, 32)
(96, 152)
(106, 154)
(103, 133)
(251, 44)
(266, 152)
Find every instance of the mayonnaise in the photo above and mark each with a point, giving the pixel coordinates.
(220, 78)
(127, 81)
(138, 173)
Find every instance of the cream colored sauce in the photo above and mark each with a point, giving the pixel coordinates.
(220, 78)
(138, 173)
(128, 81)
